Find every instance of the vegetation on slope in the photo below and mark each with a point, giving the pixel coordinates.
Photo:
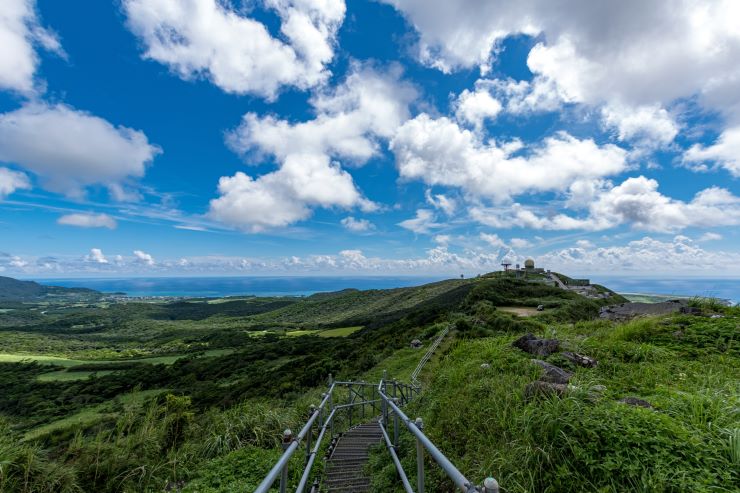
(212, 424)
(15, 290)
(686, 367)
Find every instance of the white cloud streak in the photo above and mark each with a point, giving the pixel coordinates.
(88, 220)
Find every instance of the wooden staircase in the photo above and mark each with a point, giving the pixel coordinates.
(344, 469)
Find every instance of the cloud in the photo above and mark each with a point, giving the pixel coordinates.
(679, 256)
(208, 38)
(709, 236)
(423, 223)
(70, 149)
(584, 244)
(10, 181)
(20, 34)
(351, 120)
(493, 240)
(475, 107)
(724, 153)
(143, 257)
(96, 256)
(628, 51)
(190, 227)
(442, 202)
(82, 220)
(636, 201)
(520, 243)
(649, 125)
(439, 152)
(357, 225)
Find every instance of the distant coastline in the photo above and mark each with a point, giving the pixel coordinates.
(723, 288)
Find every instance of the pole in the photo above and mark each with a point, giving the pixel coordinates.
(362, 399)
(395, 426)
(419, 459)
(287, 439)
(350, 402)
(311, 410)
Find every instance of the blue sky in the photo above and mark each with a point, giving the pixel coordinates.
(196, 137)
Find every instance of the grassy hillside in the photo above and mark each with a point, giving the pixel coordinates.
(686, 367)
(15, 290)
(195, 394)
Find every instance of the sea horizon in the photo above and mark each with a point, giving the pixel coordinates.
(726, 288)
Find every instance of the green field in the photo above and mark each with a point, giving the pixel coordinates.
(340, 332)
(43, 359)
(68, 376)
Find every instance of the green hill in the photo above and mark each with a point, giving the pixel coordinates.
(240, 371)
(15, 290)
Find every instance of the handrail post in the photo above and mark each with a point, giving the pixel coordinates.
(311, 411)
(349, 401)
(419, 459)
(395, 426)
(287, 440)
(362, 399)
(490, 485)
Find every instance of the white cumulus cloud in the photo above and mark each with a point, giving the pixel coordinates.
(143, 257)
(439, 152)
(10, 181)
(20, 34)
(85, 220)
(474, 107)
(357, 225)
(422, 223)
(96, 256)
(636, 202)
(237, 53)
(724, 153)
(70, 149)
(351, 121)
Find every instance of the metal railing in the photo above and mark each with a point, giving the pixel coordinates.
(390, 406)
(324, 417)
(427, 356)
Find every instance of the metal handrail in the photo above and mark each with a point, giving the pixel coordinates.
(291, 445)
(388, 405)
(427, 356)
(415, 427)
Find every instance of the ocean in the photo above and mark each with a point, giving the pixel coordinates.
(235, 286)
(302, 286)
(723, 288)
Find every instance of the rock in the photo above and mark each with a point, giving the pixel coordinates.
(678, 334)
(552, 373)
(690, 310)
(580, 359)
(634, 401)
(717, 315)
(538, 347)
(540, 308)
(546, 389)
(598, 388)
(485, 366)
(625, 311)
